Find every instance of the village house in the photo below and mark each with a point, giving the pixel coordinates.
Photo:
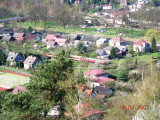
(107, 6)
(103, 90)
(51, 44)
(31, 62)
(86, 111)
(52, 37)
(123, 3)
(117, 41)
(101, 54)
(141, 46)
(98, 81)
(61, 41)
(92, 74)
(17, 35)
(101, 41)
(14, 57)
(8, 39)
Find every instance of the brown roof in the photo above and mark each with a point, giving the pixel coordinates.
(30, 60)
(29, 36)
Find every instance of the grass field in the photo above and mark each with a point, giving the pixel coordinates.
(9, 80)
(109, 32)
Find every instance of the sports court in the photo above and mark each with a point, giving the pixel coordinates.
(9, 80)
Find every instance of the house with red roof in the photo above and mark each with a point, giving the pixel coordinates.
(117, 41)
(18, 89)
(85, 110)
(52, 37)
(100, 81)
(141, 46)
(17, 35)
(61, 41)
(107, 6)
(52, 44)
(92, 74)
(20, 39)
(31, 62)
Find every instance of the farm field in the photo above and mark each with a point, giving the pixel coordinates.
(9, 80)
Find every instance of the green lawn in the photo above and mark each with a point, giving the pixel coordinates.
(10, 80)
(109, 32)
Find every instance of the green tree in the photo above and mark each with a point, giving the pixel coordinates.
(152, 33)
(92, 55)
(122, 76)
(153, 45)
(8, 63)
(29, 29)
(113, 53)
(1, 57)
(81, 48)
(45, 90)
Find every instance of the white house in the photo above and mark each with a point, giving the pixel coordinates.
(101, 41)
(14, 57)
(141, 46)
(117, 41)
(61, 41)
(31, 62)
(51, 44)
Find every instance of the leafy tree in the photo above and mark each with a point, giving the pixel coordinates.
(2, 57)
(8, 63)
(81, 48)
(46, 89)
(122, 76)
(29, 29)
(152, 33)
(153, 45)
(113, 53)
(92, 55)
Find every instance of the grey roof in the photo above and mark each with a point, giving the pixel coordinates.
(12, 56)
(7, 38)
(102, 90)
(100, 52)
(108, 48)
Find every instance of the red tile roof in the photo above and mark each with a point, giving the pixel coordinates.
(94, 72)
(3, 89)
(20, 39)
(140, 42)
(52, 37)
(30, 60)
(85, 110)
(16, 35)
(77, 1)
(18, 89)
(103, 80)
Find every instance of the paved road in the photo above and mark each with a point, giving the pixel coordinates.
(11, 19)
